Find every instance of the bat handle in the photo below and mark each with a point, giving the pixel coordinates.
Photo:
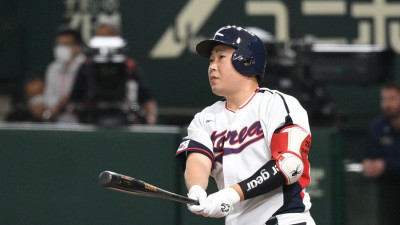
(193, 202)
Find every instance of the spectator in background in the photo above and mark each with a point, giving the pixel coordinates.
(61, 73)
(106, 27)
(31, 110)
(382, 159)
(34, 89)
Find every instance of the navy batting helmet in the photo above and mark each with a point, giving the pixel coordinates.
(249, 59)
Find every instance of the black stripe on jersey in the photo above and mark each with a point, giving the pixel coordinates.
(263, 90)
(288, 119)
(193, 146)
(284, 102)
(283, 99)
(288, 122)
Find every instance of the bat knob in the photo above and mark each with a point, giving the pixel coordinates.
(105, 178)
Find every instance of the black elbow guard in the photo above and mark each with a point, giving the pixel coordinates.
(266, 179)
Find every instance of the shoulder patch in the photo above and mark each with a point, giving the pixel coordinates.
(184, 145)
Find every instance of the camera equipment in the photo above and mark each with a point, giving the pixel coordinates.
(304, 68)
(108, 77)
(108, 97)
(357, 64)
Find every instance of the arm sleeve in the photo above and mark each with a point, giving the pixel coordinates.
(198, 140)
(266, 179)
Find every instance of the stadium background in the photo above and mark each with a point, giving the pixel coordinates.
(50, 171)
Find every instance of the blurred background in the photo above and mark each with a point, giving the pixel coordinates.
(332, 55)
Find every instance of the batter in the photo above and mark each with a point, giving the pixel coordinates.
(254, 143)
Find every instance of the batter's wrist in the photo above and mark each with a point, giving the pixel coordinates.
(232, 196)
(237, 188)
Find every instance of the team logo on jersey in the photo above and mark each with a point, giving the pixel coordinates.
(237, 140)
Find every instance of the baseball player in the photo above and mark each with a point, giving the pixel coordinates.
(254, 143)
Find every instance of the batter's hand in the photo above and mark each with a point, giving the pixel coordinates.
(220, 203)
(198, 193)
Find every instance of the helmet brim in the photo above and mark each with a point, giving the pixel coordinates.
(205, 47)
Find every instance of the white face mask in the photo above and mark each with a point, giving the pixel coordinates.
(62, 53)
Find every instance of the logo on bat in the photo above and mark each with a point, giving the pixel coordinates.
(150, 187)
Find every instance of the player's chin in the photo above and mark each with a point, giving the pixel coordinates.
(217, 91)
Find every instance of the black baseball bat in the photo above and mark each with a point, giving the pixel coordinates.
(130, 185)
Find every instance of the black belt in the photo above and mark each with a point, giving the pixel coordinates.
(274, 221)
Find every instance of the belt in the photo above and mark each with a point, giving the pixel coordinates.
(274, 221)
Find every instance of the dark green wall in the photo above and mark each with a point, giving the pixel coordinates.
(49, 175)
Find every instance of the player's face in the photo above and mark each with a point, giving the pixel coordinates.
(224, 79)
(390, 102)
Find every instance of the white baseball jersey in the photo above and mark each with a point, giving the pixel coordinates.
(238, 144)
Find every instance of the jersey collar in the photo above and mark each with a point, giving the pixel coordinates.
(245, 103)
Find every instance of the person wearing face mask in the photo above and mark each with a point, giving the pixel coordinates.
(61, 73)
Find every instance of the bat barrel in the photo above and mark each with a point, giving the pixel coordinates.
(105, 178)
(122, 183)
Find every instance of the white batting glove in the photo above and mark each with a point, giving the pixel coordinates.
(198, 193)
(220, 203)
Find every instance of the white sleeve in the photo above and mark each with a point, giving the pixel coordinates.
(282, 110)
(198, 140)
(297, 113)
(198, 132)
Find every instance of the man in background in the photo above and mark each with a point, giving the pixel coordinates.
(32, 108)
(382, 159)
(61, 73)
